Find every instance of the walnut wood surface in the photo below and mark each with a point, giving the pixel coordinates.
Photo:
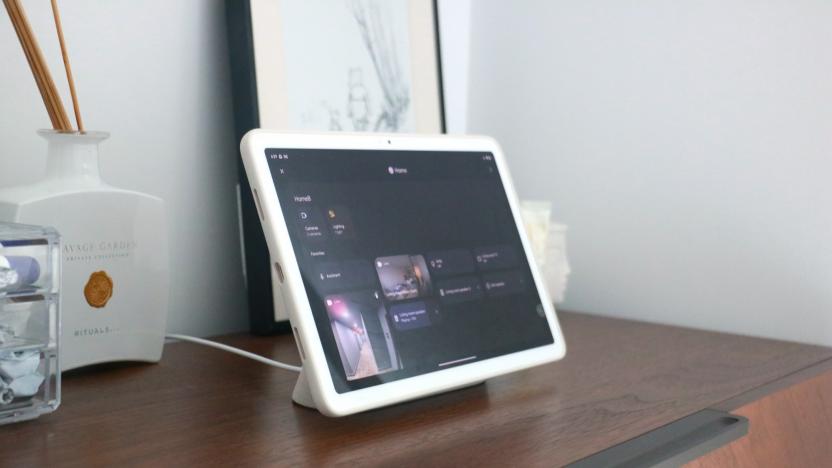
(202, 406)
(792, 427)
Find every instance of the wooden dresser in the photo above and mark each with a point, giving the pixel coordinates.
(628, 394)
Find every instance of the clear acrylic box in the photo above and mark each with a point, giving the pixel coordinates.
(30, 377)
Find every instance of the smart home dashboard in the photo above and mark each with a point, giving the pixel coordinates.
(411, 260)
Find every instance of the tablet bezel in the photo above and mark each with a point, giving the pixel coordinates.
(316, 370)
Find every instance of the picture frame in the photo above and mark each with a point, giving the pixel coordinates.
(338, 65)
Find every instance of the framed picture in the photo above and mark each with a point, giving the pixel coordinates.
(336, 65)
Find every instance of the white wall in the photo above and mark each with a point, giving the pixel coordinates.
(687, 144)
(154, 74)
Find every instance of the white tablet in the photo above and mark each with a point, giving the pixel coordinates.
(404, 266)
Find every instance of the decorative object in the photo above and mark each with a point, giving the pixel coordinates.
(548, 241)
(351, 65)
(347, 65)
(30, 378)
(115, 258)
(556, 268)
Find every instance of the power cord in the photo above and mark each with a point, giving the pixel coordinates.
(231, 349)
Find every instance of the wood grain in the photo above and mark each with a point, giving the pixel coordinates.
(204, 407)
(792, 427)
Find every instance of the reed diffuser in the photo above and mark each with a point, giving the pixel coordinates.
(115, 276)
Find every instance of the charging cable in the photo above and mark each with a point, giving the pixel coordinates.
(231, 349)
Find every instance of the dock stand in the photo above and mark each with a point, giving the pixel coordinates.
(301, 394)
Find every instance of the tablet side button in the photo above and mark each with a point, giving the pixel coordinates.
(257, 204)
(279, 270)
(300, 345)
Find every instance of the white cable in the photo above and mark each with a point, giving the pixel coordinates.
(231, 349)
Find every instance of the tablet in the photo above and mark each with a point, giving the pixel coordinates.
(402, 262)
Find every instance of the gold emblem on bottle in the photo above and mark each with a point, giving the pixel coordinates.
(99, 289)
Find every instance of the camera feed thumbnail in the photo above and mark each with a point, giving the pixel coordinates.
(403, 277)
(362, 334)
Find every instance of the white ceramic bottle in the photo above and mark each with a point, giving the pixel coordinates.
(115, 277)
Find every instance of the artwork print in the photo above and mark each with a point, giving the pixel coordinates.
(347, 65)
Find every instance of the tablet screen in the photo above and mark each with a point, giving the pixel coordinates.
(411, 260)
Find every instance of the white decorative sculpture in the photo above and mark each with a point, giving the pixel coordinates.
(548, 242)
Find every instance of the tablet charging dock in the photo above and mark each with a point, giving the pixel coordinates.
(301, 395)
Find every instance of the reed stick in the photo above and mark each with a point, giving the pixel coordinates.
(65, 55)
(40, 71)
(11, 8)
